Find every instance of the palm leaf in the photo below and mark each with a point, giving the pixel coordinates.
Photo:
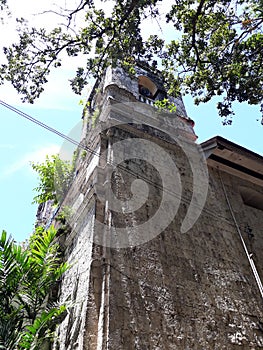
(27, 314)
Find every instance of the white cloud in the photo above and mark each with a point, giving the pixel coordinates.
(24, 162)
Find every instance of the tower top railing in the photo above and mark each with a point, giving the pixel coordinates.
(146, 100)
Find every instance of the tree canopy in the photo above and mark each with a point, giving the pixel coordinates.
(216, 47)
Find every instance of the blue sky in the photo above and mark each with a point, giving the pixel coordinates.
(22, 141)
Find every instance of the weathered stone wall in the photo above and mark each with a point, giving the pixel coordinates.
(75, 286)
(192, 290)
(77, 245)
(179, 291)
(118, 78)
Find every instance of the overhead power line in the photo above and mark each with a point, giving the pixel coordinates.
(45, 126)
(90, 150)
(79, 144)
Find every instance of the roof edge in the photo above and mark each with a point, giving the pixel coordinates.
(221, 143)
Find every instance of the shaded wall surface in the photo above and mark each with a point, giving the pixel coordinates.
(193, 290)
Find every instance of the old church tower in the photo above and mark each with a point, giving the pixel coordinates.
(165, 236)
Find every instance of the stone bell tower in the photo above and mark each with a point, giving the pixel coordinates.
(155, 261)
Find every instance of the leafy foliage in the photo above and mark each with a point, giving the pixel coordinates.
(165, 105)
(3, 5)
(216, 49)
(28, 315)
(55, 177)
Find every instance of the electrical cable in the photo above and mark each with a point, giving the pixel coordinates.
(93, 152)
(45, 126)
(248, 255)
(84, 147)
